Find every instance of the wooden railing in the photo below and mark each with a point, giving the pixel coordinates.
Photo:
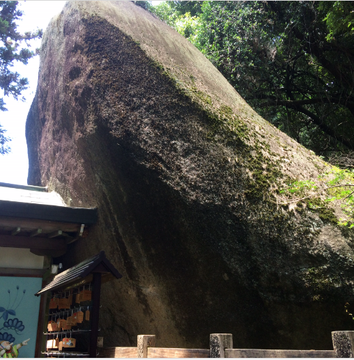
(265, 353)
(118, 352)
(221, 346)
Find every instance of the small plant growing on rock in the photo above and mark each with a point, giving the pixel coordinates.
(336, 185)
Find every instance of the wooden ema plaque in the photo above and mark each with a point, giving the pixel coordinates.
(72, 305)
(84, 295)
(69, 343)
(53, 303)
(65, 303)
(52, 326)
(79, 317)
(53, 343)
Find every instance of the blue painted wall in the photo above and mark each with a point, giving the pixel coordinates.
(19, 310)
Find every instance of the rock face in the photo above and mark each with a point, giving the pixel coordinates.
(131, 118)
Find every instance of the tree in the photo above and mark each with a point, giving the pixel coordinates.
(292, 61)
(13, 47)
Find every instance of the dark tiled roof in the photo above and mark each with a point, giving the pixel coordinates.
(98, 263)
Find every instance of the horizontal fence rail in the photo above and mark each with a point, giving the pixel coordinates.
(118, 352)
(159, 352)
(221, 346)
(266, 353)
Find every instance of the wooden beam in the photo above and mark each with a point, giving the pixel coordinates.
(96, 293)
(119, 352)
(41, 326)
(51, 253)
(48, 212)
(16, 231)
(268, 353)
(55, 234)
(21, 272)
(32, 242)
(157, 352)
(35, 232)
(143, 343)
(45, 225)
(24, 187)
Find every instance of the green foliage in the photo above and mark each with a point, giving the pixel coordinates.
(348, 311)
(299, 187)
(336, 185)
(341, 188)
(144, 4)
(339, 19)
(13, 47)
(165, 12)
(176, 15)
(4, 148)
(292, 61)
(186, 25)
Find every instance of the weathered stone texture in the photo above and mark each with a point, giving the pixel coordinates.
(343, 343)
(131, 118)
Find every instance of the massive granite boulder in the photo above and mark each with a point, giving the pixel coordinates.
(130, 117)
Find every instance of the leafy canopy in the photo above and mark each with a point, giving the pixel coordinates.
(293, 62)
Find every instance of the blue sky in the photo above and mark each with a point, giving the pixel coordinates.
(14, 166)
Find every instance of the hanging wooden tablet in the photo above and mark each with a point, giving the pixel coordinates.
(74, 316)
(56, 343)
(51, 344)
(64, 303)
(52, 326)
(60, 323)
(87, 315)
(61, 303)
(71, 320)
(69, 343)
(65, 325)
(53, 303)
(60, 345)
(80, 317)
(78, 298)
(86, 295)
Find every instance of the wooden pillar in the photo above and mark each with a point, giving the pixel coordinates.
(95, 312)
(218, 344)
(144, 341)
(42, 325)
(343, 343)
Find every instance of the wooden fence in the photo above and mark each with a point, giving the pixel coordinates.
(221, 346)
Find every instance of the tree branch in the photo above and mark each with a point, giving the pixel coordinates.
(296, 105)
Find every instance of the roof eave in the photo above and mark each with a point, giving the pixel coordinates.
(87, 216)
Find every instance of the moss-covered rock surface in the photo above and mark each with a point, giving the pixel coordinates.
(131, 118)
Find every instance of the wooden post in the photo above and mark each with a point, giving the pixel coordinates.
(95, 312)
(144, 341)
(218, 344)
(343, 343)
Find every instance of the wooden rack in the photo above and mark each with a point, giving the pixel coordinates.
(88, 274)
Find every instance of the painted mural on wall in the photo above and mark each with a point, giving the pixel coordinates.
(19, 310)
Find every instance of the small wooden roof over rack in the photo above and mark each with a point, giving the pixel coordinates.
(82, 274)
(96, 269)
